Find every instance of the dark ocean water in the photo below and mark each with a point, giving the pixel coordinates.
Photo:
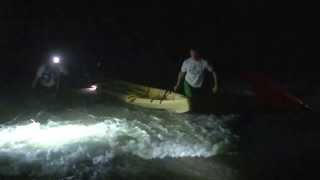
(74, 136)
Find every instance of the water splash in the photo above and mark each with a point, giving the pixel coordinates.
(60, 146)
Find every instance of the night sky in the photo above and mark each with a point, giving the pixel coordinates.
(235, 36)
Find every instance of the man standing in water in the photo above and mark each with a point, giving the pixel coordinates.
(48, 77)
(193, 73)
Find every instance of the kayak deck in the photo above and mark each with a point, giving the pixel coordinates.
(145, 96)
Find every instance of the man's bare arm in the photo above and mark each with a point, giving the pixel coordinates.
(180, 78)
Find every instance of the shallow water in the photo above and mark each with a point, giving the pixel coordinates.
(90, 138)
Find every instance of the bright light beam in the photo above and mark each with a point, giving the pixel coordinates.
(36, 134)
(117, 134)
(93, 88)
(56, 60)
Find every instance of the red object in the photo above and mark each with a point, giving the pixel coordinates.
(270, 95)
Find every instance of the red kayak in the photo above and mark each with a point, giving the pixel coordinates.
(270, 95)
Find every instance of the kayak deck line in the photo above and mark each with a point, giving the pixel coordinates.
(145, 96)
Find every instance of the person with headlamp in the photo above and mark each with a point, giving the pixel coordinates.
(48, 76)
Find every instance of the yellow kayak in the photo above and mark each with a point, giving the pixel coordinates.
(144, 96)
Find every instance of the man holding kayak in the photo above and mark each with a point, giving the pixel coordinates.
(192, 75)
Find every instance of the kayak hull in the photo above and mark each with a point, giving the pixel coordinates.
(145, 96)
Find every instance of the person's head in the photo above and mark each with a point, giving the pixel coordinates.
(194, 53)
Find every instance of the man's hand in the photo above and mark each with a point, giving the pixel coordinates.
(176, 87)
(215, 89)
(180, 77)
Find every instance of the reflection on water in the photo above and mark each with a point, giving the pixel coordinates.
(93, 140)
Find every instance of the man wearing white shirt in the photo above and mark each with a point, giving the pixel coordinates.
(193, 74)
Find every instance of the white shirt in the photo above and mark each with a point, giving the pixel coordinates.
(194, 70)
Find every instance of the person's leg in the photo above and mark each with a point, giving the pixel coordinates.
(194, 94)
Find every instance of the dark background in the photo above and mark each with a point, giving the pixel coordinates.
(150, 39)
(147, 42)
